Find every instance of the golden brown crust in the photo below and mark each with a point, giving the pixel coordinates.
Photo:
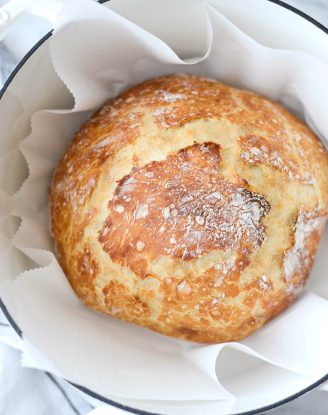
(191, 208)
(308, 226)
(183, 208)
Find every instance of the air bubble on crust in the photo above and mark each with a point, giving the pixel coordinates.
(141, 212)
(119, 208)
(140, 246)
(184, 288)
(166, 212)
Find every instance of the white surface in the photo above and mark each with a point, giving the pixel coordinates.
(311, 412)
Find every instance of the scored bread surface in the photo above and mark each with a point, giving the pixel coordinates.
(190, 207)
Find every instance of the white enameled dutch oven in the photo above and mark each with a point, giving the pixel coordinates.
(34, 85)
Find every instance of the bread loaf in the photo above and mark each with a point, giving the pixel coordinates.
(190, 207)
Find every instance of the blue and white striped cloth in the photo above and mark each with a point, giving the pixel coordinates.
(31, 391)
(25, 390)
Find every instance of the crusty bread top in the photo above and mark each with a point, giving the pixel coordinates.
(190, 207)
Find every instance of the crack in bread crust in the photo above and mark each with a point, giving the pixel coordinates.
(181, 207)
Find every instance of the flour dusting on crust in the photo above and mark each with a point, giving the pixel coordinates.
(183, 208)
(298, 256)
(277, 153)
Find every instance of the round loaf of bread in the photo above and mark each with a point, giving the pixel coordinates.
(190, 207)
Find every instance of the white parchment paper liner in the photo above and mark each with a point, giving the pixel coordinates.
(97, 54)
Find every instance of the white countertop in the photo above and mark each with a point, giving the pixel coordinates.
(27, 391)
